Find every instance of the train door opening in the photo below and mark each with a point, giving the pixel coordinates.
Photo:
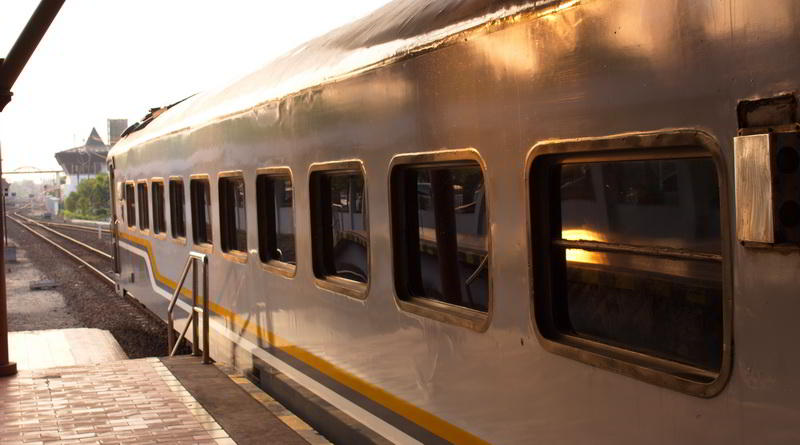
(112, 184)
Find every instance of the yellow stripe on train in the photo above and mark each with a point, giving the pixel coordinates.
(411, 412)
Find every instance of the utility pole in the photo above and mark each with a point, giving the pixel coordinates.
(5, 226)
(6, 367)
(10, 69)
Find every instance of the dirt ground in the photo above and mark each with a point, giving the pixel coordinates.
(34, 309)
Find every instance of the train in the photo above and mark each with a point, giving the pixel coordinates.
(496, 221)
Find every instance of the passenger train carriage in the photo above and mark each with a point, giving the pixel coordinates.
(487, 221)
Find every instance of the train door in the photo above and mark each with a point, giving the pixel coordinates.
(112, 185)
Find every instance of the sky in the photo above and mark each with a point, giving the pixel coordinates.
(105, 59)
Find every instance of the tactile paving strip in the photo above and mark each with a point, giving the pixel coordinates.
(305, 431)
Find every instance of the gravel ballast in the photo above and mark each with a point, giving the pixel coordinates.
(88, 300)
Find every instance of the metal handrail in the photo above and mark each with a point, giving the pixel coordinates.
(191, 261)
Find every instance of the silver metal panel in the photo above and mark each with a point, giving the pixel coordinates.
(599, 67)
(754, 198)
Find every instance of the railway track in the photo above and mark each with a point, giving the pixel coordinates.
(68, 226)
(97, 262)
(140, 332)
(76, 227)
(96, 237)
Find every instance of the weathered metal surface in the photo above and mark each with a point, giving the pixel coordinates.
(753, 170)
(767, 112)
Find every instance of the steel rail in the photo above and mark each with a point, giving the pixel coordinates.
(100, 274)
(67, 225)
(69, 238)
(74, 226)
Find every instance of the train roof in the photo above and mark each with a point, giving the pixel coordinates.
(400, 28)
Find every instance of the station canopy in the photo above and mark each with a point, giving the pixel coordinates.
(89, 158)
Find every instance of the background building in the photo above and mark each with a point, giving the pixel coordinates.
(83, 162)
(88, 160)
(115, 129)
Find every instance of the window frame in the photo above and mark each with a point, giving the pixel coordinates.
(163, 234)
(204, 247)
(673, 144)
(139, 218)
(276, 266)
(427, 307)
(239, 256)
(130, 204)
(343, 286)
(171, 232)
(119, 190)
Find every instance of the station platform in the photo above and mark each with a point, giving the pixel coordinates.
(175, 400)
(62, 347)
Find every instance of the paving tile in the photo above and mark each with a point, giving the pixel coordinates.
(130, 401)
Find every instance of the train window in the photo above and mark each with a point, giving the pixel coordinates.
(274, 195)
(440, 233)
(339, 237)
(176, 208)
(200, 190)
(159, 219)
(232, 213)
(628, 257)
(144, 216)
(130, 205)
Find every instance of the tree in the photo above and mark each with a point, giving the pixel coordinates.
(71, 202)
(91, 200)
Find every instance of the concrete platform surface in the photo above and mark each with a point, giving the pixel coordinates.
(63, 347)
(126, 401)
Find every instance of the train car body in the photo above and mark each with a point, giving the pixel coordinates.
(381, 209)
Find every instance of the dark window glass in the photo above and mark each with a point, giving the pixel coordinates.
(339, 215)
(659, 295)
(232, 213)
(144, 216)
(159, 220)
(176, 208)
(671, 203)
(441, 234)
(130, 205)
(275, 218)
(201, 210)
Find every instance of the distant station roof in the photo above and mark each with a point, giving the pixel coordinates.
(94, 140)
(89, 158)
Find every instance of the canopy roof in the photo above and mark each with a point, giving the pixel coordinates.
(88, 158)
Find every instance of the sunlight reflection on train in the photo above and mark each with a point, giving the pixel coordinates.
(580, 255)
(513, 52)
